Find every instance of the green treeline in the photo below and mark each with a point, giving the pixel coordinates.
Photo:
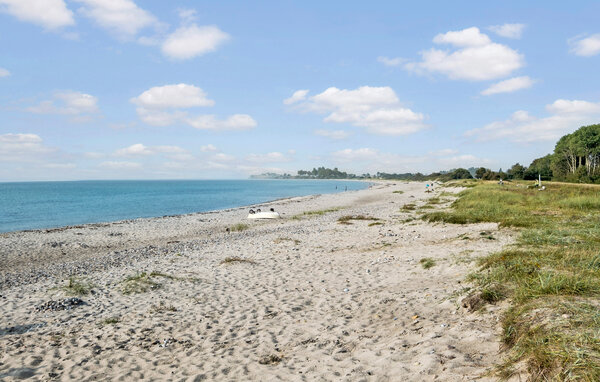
(576, 158)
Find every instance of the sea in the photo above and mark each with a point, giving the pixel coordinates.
(39, 205)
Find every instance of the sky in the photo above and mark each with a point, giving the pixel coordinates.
(151, 89)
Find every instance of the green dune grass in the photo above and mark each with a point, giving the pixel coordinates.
(551, 275)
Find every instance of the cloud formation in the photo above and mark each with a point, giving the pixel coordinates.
(193, 41)
(67, 103)
(377, 109)
(22, 147)
(164, 106)
(173, 96)
(565, 117)
(586, 47)
(509, 86)
(508, 30)
(474, 57)
(299, 95)
(120, 17)
(4, 73)
(49, 14)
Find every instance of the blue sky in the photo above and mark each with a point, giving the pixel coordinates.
(122, 89)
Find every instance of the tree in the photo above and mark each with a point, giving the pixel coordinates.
(479, 172)
(461, 173)
(539, 167)
(516, 172)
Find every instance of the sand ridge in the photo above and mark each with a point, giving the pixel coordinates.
(315, 300)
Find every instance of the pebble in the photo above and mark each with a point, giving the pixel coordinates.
(66, 304)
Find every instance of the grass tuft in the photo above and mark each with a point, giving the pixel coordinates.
(409, 207)
(143, 282)
(235, 259)
(111, 320)
(427, 262)
(78, 286)
(239, 227)
(348, 218)
(316, 213)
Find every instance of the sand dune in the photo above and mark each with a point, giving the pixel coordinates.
(310, 300)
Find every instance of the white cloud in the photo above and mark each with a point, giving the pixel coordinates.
(586, 47)
(508, 30)
(161, 106)
(67, 103)
(299, 95)
(463, 38)
(136, 149)
(397, 61)
(50, 14)
(333, 134)
(565, 116)
(208, 148)
(121, 17)
(172, 96)
(476, 57)
(120, 165)
(4, 73)
(23, 148)
(140, 149)
(563, 106)
(191, 41)
(231, 123)
(509, 86)
(375, 108)
(272, 157)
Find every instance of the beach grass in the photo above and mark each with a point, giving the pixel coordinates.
(239, 227)
(143, 282)
(280, 240)
(347, 219)
(111, 320)
(235, 259)
(551, 275)
(78, 286)
(427, 262)
(409, 207)
(316, 213)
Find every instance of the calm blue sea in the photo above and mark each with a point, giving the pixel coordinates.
(34, 205)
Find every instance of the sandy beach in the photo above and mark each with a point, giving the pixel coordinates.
(302, 298)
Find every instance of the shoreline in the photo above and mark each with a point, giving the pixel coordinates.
(102, 223)
(303, 297)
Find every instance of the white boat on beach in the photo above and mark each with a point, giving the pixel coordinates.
(264, 215)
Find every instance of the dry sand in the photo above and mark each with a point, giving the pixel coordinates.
(317, 301)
